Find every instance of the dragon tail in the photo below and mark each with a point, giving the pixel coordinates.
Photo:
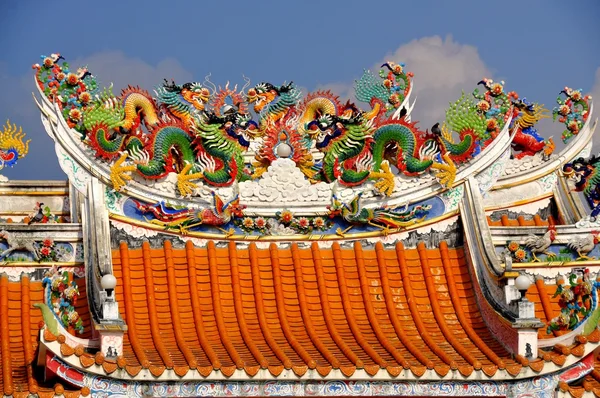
(461, 152)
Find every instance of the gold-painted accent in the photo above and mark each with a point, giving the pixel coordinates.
(118, 173)
(297, 237)
(510, 274)
(445, 172)
(520, 202)
(11, 137)
(522, 181)
(44, 264)
(385, 179)
(565, 186)
(34, 193)
(111, 327)
(184, 181)
(556, 264)
(26, 213)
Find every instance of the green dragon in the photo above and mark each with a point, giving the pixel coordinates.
(355, 152)
(190, 140)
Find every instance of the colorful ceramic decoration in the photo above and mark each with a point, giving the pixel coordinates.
(202, 133)
(578, 299)
(572, 110)
(12, 145)
(585, 176)
(259, 241)
(61, 295)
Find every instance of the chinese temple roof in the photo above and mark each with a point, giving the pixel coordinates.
(262, 242)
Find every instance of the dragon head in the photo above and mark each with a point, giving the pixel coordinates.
(261, 95)
(327, 129)
(523, 105)
(193, 93)
(242, 128)
(264, 94)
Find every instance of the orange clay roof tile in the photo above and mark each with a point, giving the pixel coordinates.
(19, 328)
(520, 221)
(589, 383)
(206, 309)
(297, 309)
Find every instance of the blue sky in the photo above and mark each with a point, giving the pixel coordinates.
(536, 46)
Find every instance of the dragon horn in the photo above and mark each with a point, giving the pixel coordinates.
(247, 80)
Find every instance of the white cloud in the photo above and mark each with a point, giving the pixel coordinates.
(109, 66)
(442, 67)
(117, 68)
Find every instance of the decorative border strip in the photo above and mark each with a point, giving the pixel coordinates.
(35, 193)
(103, 387)
(271, 238)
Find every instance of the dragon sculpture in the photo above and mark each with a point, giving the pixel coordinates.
(175, 133)
(527, 141)
(495, 105)
(584, 173)
(201, 133)
(12, 146)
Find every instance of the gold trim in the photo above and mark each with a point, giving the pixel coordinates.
(555, 264)
(270, 238)
(565, 187)
(521, 202)
(45, 264)
(27, 213)
(521, 181)
(34, 193)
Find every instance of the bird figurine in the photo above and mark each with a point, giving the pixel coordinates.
(39, 216)
(403, 112)
(540, 244)
(584, 245)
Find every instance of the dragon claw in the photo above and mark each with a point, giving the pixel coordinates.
(549, 147)
(118, 173)
(184, 184)
(445, 173)
(385, 177)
